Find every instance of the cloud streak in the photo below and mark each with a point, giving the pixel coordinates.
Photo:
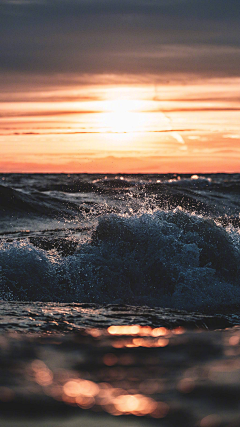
(89, 132)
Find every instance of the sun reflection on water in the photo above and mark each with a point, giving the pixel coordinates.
(129, 370)
(116, 389)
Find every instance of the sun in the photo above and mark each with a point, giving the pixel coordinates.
(122, 116)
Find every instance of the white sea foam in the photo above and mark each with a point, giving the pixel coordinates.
(171, 259)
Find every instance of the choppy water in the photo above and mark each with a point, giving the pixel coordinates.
(109, 286)
(161, 241)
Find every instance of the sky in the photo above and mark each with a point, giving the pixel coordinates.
(119, 86)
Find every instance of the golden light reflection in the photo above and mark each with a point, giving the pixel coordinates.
(135, 404)
(136, 382)
(144, 336)
(43, 376)
(85, 402)
(114, 387)
(146, 331)
(114, 400)
(158, 332)
(234, 340)
(80, 387)
(141, 342)
(124, 330)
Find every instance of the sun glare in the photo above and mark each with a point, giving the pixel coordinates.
(123, 116)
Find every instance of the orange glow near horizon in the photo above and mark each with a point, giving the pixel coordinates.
(123, 129)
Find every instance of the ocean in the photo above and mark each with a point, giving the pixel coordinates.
(120, 300)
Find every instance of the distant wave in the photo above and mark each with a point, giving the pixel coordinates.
(48, 200)
(14, 201)
(170, 259)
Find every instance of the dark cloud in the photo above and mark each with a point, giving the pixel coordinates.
(120, 36)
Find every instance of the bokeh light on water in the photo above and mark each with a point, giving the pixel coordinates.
(164, 376)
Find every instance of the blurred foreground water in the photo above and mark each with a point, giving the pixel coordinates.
(123, 375)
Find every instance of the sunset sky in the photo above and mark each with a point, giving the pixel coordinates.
(120, 86)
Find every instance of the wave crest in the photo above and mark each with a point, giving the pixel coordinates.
(170, 259)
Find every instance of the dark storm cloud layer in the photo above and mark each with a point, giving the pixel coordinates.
(120, 36)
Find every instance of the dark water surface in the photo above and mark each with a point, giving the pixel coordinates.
(161, 241)
(81, 255)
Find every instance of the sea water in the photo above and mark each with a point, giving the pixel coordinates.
(84, 253)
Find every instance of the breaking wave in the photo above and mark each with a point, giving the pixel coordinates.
(166, 259)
